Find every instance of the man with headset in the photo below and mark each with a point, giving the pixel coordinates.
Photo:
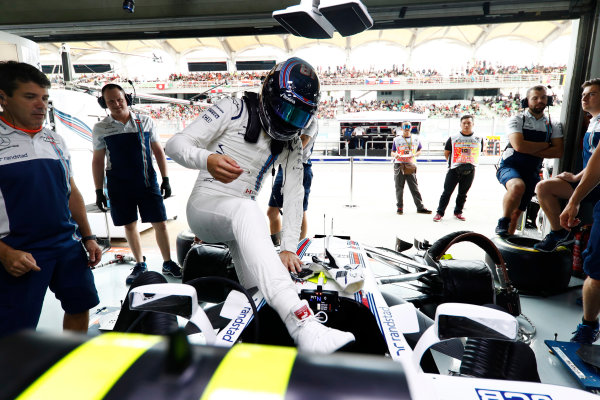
(127, 141)
(233, 145)
(532, 137)
(44, 231)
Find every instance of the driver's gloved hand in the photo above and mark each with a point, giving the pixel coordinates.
(101, 200)
(165, 188)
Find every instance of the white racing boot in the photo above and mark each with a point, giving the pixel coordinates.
(310, 335)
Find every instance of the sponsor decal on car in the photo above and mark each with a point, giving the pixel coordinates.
(492, 394)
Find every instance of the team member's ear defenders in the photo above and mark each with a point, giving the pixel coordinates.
(128, 97)
(525, 103)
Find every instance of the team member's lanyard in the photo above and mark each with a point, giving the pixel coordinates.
(144, 157)
(592, 131)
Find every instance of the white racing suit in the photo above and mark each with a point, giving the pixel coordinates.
(219, 212)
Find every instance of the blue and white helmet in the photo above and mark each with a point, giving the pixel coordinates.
(289, 98)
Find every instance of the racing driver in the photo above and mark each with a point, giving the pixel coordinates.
(235, 144)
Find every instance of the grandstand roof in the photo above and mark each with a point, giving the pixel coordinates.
(473, 36)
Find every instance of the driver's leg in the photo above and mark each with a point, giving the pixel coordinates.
(240, 223)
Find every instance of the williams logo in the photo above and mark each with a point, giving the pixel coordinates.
(49, 139)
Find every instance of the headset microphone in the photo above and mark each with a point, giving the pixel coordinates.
(134, 92)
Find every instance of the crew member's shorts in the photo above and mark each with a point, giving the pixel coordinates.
(591, 254)
(67, 274)
(276, 199)
(125, 202)
(505, 174)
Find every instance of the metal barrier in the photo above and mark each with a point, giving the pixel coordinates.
(341, 148)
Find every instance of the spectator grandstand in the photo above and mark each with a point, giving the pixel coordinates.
(341, 75)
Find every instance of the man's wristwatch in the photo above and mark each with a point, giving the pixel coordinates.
(86, 238)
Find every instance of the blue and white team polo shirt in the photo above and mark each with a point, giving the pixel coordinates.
(128, 149)
(35, 188)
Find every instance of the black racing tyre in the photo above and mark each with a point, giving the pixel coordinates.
(184, 242)
(532, 271)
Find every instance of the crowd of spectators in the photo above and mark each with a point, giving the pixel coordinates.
(395, 71)
(344, 72)
(176, 111)
(485, 68)
(331, 75)
(329, 109)
(218, 77)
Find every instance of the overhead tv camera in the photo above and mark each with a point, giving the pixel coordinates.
(317, 19)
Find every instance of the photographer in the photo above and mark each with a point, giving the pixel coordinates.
(405, 149)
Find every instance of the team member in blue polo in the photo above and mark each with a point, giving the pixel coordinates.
(44, 232)
(551, 191)
(127, 141)
(588, 179)
(532, 137)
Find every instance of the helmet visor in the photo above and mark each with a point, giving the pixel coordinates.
(291, 114)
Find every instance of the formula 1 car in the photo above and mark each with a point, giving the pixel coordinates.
(339, 284)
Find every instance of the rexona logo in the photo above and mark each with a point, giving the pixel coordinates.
(491, 394)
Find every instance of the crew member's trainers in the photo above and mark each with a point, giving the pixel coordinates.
(554, 239)
(310, 335)
(138, 269)
(171, 268)
(437, 218)
(585, 334)
(399, 211)
(460, 217)
(502, 227)
(423, 211)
